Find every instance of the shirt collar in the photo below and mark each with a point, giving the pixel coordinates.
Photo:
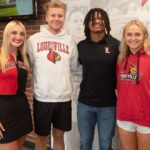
(101, 41)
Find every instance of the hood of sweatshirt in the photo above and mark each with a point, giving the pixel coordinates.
(46, 33)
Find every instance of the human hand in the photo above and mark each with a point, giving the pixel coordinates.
(1, 131)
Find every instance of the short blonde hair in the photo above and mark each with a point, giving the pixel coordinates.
(54, 4)
(124, 49)
(5, 49)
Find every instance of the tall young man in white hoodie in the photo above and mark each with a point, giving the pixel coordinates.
(53, 57)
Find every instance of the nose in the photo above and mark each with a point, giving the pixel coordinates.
(18, 36)
(133, 37)
(57, 17)
(98, 20)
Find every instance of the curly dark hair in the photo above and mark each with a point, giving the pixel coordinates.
(90, 15)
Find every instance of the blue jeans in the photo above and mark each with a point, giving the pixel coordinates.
(88, 117)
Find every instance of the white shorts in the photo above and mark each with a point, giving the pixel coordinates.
(133, 127)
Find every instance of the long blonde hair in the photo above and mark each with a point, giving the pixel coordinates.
(5, 49)
(124, 49)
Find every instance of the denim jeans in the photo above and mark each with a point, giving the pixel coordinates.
(88, 117)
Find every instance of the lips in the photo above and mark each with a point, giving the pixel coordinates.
(18, 42)
(133, 43)
(98, 25)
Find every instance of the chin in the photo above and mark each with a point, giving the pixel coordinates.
(16, 45)
(98, 32)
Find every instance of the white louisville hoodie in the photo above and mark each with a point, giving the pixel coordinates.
(53, 59)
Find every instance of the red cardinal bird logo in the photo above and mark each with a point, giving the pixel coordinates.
(53, 56)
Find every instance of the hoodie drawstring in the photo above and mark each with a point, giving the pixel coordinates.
(137, 72)
(137, 66)
(125, 66)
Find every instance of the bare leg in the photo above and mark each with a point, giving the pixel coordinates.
(21, 141)
(143, 141)
(10, 146)
(58, 137)
(41, 142)
(128, 139)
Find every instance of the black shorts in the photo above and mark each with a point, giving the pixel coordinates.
(49, 113)
(15, 116)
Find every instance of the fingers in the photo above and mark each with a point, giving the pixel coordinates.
(1, 127)
(1, 131)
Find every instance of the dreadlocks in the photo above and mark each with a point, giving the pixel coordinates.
(91, 16)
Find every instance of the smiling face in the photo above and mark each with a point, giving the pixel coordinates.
(55, 18)
(17, 37)
(134, 38)
(97, 25)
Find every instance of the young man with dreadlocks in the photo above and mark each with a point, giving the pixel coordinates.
(97, 99)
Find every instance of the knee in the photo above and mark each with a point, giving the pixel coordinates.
(41, 142)
(106, 143)
(86, 140)
(86, 143)
(58, 134)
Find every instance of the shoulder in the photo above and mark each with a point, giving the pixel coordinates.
(83, 46)
(112, 40)
(69, 40)
(34, 36)
(68, 37)
(83, 42)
